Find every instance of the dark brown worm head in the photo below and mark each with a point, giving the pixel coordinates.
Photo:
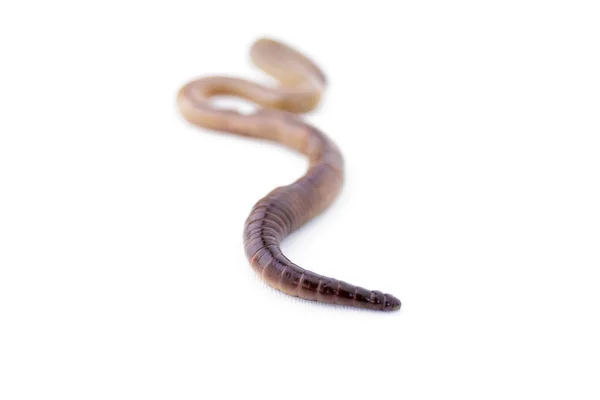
(286, 208)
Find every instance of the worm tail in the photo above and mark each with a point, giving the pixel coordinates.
(273, 218)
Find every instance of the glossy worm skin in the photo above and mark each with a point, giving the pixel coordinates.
(286, 208)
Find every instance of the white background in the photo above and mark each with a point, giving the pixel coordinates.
(471, 136)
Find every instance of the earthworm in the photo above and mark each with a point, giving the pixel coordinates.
(286, 208)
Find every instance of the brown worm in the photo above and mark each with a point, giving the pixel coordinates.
(286, 208)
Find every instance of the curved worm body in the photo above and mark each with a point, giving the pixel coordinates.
(286, 208)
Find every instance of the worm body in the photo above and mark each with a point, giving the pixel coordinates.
(285, 208)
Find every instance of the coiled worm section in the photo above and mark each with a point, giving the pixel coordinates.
(286, 208)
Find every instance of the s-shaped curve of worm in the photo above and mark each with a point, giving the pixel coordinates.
(286, 208)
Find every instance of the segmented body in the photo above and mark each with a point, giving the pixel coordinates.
(286, 208)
